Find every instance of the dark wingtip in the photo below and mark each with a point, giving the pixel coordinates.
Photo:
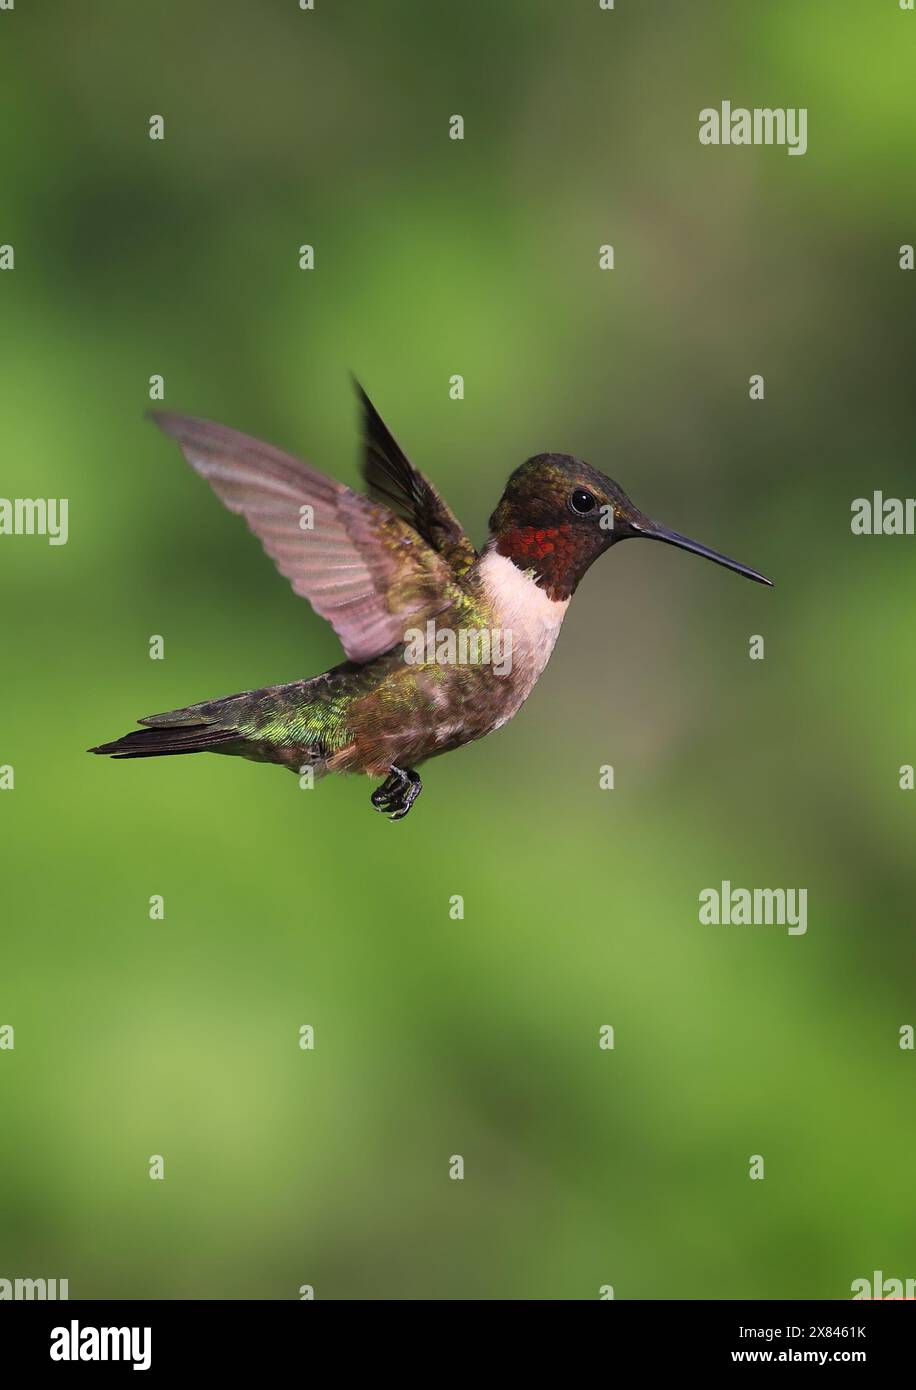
(361, 393)
(372, 422)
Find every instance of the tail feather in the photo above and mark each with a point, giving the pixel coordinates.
(160, 742)
(194, 716)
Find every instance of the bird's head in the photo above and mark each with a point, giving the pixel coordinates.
(557, 514)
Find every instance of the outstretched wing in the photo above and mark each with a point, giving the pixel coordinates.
(392, 479)
(360, 566)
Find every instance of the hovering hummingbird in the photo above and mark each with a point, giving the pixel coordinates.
(382, 568)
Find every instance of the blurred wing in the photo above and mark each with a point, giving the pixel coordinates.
(359, 565)
(391, 478)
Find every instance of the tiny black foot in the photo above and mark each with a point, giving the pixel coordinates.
(397, 793)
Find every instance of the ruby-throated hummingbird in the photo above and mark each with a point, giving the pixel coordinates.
(445, 643)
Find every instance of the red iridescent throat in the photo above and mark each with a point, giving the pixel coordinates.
(551, 552)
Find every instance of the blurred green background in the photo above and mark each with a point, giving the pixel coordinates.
(479, 1037)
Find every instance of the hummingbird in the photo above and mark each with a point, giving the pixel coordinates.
(418, 609)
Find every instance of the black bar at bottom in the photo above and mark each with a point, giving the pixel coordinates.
(106, 1338)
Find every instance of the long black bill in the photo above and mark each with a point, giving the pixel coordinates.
(654, 532)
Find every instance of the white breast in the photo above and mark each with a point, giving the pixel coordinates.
(523, 609)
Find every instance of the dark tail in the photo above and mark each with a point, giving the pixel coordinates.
(160, 742)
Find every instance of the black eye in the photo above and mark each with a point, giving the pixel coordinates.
(582, 501)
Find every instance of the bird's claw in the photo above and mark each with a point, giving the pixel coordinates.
(397, 793)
